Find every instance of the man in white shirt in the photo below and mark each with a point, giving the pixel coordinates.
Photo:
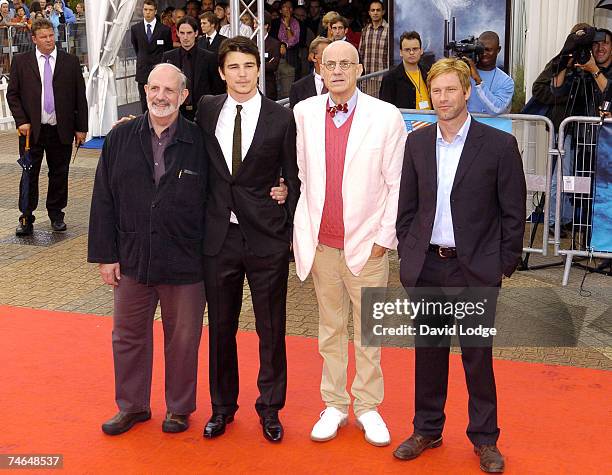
(251, 142)
(46, 95)
(460, 224)
(210, 39)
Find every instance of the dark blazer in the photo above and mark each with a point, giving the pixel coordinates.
(302, 89)
(154, 232)
(487, 204)
(149, 54)
(272, 61)
(397, 89)
(265, 224)
(25, 88)
(206, 79)
(214, 46)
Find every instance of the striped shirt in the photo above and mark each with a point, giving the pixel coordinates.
(374, 47)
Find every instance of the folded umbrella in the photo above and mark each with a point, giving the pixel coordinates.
(25, 160)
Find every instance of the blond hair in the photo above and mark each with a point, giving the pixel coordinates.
(450, 65)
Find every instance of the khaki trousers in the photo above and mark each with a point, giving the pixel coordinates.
(337, 288)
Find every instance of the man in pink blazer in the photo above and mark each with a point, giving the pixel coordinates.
(349, 151)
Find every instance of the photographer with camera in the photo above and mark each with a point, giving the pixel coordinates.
(492, 89)
(573, 83)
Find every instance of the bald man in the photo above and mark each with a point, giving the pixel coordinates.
(492, 89)
(145, 232)
(344, 226)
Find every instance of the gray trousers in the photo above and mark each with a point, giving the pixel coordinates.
(182, 309)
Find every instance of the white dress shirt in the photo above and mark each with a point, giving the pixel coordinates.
(225, 128)
(153, 23)
(245, 30)
(447, 159)
(318, 83)
(341, 117)
(45, 118)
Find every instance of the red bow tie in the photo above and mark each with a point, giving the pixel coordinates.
(337, 108)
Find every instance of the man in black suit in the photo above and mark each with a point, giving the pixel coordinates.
(200, 66)
(251, 141)
(460, 223)
(150, 40)
(272, 57)
(46, 95)
(210, 39)
(312, 84)
(405, 85)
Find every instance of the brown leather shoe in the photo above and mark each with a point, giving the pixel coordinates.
(414, 446)
(124, 421)
(175, 423)
(491, 459)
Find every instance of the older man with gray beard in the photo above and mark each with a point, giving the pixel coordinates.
(145, 232)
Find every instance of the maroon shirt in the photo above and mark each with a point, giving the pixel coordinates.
(158, 145)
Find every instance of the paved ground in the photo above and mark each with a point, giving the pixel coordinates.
(50, 271)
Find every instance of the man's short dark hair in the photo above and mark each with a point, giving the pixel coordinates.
(238, 44)
(489, 35)
(41, 24)
(606, 31)
(153, 3)
(211, 18)
(221, 4)
(339, 19)
(382, 4)
(410, 35)
(190, 21)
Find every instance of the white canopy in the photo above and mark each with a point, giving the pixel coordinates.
(107, 23)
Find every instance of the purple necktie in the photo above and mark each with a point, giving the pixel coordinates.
(48, 80)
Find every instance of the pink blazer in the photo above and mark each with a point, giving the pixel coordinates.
(370, 185)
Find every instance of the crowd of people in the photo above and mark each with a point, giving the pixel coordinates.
(68, 26)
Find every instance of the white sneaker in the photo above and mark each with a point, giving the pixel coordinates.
(327, 426)
(376, 432)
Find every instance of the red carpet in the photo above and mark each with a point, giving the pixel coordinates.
(56, 388)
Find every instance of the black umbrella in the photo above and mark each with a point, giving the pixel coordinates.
(607, 4)
(25, 161)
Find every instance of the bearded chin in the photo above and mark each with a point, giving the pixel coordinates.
(163, 111)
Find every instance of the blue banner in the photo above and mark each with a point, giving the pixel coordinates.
(601, 239)
(416, 121)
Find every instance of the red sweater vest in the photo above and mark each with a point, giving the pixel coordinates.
(331, 232)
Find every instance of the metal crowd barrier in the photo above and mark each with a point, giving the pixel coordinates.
(576, 190)
(535, 138)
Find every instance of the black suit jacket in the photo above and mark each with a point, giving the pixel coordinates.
(487, 204)
(214, 46)
(397, 89)
(272, 61)
(265, 224)
(206, 78)
(25, 88)
(302, 89)
(149, 54)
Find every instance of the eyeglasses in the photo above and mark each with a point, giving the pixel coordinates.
(344, 65)
(411, 50)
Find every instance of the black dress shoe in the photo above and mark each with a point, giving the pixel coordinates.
(58, 226)
(216, 425)
(25, 227)
(491, 459)
(175, 423)
(272, 428)
(124, 421)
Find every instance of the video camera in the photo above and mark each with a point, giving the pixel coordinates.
(470, 48)
(578, 45)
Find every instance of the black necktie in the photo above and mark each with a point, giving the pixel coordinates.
(149, 33)
(237, 142)
(207, 42)
(188, 72)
